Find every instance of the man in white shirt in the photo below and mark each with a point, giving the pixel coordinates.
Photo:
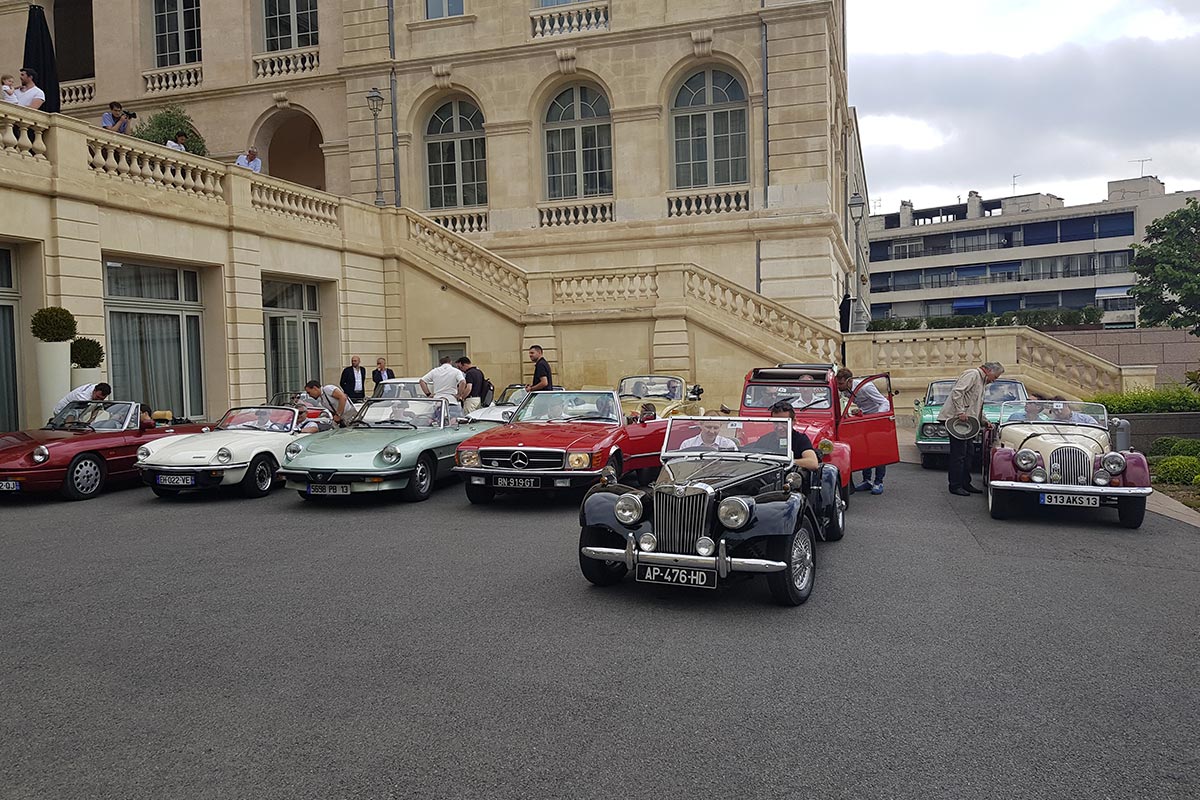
(250, 160)
(333, 399)
(710, 438)
(89, 392)
(179, 142)
(446, 382)
(29, 95)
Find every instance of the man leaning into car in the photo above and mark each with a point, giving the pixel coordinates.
(964, 403)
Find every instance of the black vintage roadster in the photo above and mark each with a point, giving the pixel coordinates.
(728, 500)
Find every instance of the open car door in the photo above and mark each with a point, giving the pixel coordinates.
(872, 437)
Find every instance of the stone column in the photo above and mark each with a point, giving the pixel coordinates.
(512, 191)
(640, 179)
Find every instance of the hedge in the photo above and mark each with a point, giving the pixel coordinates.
(1186, 447)
(1036, 318)
(1163, 444)
(1177, 469)
(1168, 399)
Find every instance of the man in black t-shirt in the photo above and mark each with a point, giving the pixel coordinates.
(475, 379)
(803, 453)
(542, 380)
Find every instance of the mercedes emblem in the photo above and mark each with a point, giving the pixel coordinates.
(519, 460)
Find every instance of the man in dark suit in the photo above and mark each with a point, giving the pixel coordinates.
(354, 380)
(381, 372)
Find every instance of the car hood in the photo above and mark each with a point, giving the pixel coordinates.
(719, 473)
(358, 441)
(18, 443)
(186, 449)
(564, 435)
(1093, 440)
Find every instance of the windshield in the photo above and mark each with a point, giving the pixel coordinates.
(765, 395)
(400, 389)
(569, 406)
(97, 415)
(767, 437)
(1055, 412)
(995, 392)
(511, 396)
(258, 418)
(651, 386)
(384, 413)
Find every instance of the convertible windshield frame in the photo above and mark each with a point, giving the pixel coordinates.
(222, 426)
(1015, 413)
(438, 416)
(566, 398)
(59, 423)
(731, 428)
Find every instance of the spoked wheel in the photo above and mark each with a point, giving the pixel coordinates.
(420, 483)
(85, 477)
(259, 476)
(601, 573)
(792, 586)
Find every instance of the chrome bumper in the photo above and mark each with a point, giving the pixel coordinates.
(1058, 488)
(722, 563)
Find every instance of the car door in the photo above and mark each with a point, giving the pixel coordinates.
(643, 443)
(872, 437)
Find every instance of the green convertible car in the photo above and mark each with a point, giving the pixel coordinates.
(390, 444)
(932, 439)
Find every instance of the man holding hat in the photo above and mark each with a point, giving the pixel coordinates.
(965, 403)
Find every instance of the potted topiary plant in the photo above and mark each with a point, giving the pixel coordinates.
(54, 328)
(86, 357)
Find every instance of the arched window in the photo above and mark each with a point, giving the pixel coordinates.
(578, 144)
(457, 154)
(709, 119)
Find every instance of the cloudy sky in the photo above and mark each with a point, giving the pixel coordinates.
(954, 96)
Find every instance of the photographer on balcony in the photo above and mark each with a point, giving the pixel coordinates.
(116, 118)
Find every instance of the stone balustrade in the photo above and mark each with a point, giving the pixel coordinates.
(557, 215)
(468, 260)
(705, 202)
(469, 221)
(290, 200)
(583, 17)
(287, 63)
(77, 93)
(22, 133)
(130, 159)
(173, 79)
(613, 287)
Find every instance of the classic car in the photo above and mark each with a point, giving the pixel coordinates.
(399, 388)
(558, 440)
(932, 439)
(244, 450)
(1061, 453)
(742, 507)
(848, 439)
(667, 394)
(390, 444)
(83, 448)
(505, 403)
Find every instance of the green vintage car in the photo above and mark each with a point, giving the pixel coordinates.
(932, 439)
(390, 444)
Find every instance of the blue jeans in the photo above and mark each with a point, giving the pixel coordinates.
(879, 473)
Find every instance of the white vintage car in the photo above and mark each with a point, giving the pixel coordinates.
(244, 450)
(399, 389)
(505, 403)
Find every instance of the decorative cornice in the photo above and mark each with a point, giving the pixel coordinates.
(635, 113)
(281, 100)
(335, 148)
(702, 42)
(441, 75)
(512, 127)
(566, 60)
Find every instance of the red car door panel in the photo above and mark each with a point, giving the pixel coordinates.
(644, 443)
(872, 437)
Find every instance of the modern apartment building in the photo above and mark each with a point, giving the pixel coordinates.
(1014, 253)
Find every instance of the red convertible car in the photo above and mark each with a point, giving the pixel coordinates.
(842, 434)
(86, 445)
(558, 440)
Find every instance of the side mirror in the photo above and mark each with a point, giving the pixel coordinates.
(507, 416)
(916, 405)
(795, 481)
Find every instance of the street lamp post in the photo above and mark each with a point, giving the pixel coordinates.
(858, 207)
(375, 103)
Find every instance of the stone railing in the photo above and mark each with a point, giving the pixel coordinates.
(1042, 356)
(287, 63)
(475, 221)
(77, 93)
(121, 157)
(582, 17)
(606, 288)
(290, 200)
(471, 262)
(173, 79)
(21, 135)
(584, 213)
(703, 202)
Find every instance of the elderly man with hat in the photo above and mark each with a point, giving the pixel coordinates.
(966, 403)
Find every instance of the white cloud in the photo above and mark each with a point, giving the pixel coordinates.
(894, 130)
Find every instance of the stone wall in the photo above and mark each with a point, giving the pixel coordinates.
(1145, 428)
(1173, 351)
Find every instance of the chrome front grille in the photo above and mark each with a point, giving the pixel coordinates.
(1074, 463)
(522, 458)
(679, 520)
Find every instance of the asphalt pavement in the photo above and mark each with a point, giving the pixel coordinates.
(220, 647)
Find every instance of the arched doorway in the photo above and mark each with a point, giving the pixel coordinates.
(289, 143)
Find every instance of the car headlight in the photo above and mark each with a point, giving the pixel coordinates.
(932, 430)
(1114, 463)
(579, 460)
(734, 513)
(292, 450)
(705, 546)
(628, 509)
(224, 456)
(824, 447)
(1038, 475)
(1102, 478)
(1026, 459)
(40, 454)
(390, 454)
(143, 453)
(468, 458)
(648, 542)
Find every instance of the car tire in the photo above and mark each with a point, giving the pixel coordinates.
(930, 461)
(792, 586)
(260, 475)
(600, 573)
(1131, 511)
(420, 482)
(164, 492)
(1000, 502)
(835, 525)
(304, 495)
(480, 495)
(85, 477)
(616, 463)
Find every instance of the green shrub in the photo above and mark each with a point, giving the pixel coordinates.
(1193, 379)
(1196, 481)
(87, 353)
(1177, 469)
(1070, 317)
(53, 324)
(1092, 315)
(161, 127)
(1186, 447)
(1153, 461)
(1163, 444)
(1163, 400)
(913, 323)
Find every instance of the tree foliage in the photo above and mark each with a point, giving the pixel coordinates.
(1167, 266)
(161, 127)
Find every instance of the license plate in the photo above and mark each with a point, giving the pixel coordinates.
(517, 483)
(328, 488)
(1087, 500)
(175, 480)
(10, 486)
(678, 576)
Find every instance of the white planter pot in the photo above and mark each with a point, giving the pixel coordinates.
(82, 375)
(53, 373)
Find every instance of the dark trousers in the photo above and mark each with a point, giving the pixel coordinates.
(879, 473)
(960, 463)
